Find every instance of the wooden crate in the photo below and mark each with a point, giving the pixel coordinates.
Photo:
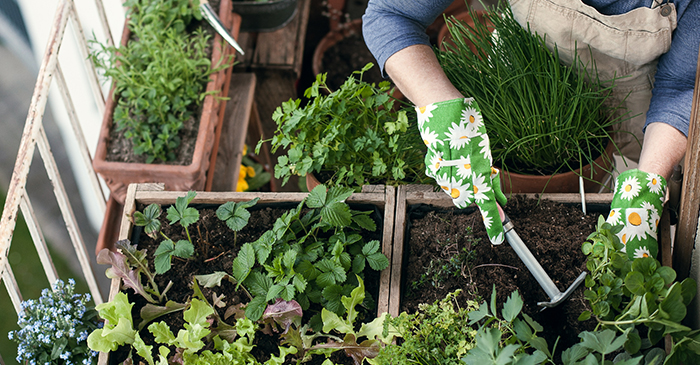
(424, 194)
(378, 195)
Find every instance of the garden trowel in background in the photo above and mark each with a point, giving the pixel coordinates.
(215, 22)
(555, 296)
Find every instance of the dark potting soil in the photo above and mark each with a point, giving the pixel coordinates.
(552, 231)
(215, 249)
(121, 149)
(345, 57)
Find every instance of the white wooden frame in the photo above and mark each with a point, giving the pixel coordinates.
(34, 137)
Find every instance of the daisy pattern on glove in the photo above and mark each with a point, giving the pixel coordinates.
(459, 135)
(464, 169)
(636, 208)
(459, 158)
(424, 113)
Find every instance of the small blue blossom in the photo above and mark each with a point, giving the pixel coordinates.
(54, 320)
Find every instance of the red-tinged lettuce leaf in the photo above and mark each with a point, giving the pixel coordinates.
(284, 313)
(120, 269)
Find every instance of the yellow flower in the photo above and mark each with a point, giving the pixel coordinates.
(242, 184)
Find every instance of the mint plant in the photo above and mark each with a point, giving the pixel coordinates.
(356, 134)
(309, 258)
(160, 75)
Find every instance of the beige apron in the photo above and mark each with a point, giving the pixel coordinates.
(621, 45)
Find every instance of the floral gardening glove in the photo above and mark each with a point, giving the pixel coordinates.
(459, 158)
(636, 206)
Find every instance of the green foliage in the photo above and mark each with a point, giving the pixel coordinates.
(128, 264)
(541, 116)
(309, 257)
(354, 133)
(437, 333)
(119, 328)
(160, 75)
(360, 345)
(638, 297)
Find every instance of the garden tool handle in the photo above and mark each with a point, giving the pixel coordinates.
(534, 266)
(215, 22)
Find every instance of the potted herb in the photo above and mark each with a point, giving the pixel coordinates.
(168, 76)
(252, 268)
(352, 136)
(542, 117)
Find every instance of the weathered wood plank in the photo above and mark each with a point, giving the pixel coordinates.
(690, 198)
(284, 48)
(385, 275)
(397, 250)
(233, 133)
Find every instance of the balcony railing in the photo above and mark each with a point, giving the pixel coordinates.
(34, 137)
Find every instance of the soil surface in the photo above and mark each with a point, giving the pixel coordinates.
(553, 233)
(215, 248)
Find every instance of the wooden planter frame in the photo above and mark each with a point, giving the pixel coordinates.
(118, 175)
(424, 194)
(378, 195)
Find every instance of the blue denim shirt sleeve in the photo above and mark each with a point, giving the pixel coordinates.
(389, 26)
(675, 75)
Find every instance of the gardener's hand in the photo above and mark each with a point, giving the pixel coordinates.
(636, 207)
(459, 158)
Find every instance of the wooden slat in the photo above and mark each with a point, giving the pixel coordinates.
(103, 21)
(31, 131)
(233, 132)
(85, 56)
(690, 198)
(80, 137)
(68, 215)
(8, 277)
(39, 240)
(385, 276)
(397, 251)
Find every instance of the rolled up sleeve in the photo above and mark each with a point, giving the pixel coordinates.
(389, 26)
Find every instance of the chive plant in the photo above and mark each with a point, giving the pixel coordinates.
(542, 117)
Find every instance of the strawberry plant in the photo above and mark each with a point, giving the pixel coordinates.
(309, 257)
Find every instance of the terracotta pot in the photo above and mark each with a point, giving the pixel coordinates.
(567, 182)
(311, 181)
(444, 35)
(118, 175)
(331, 39)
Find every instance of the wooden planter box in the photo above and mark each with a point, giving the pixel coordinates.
(424, 194)
(118, 175)
(380, 196)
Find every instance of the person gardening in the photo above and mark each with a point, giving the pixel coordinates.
(654, 43)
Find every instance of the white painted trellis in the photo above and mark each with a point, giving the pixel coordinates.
(34, 137)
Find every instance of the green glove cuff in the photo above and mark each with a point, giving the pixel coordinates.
(459, 158)
(636, 206)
